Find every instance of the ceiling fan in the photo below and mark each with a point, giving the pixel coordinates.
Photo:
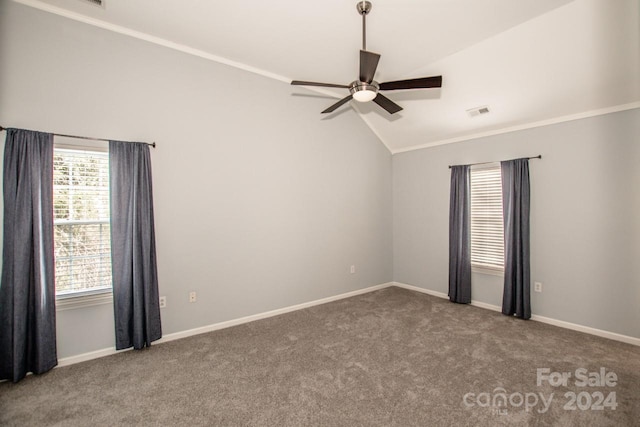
(366, 89)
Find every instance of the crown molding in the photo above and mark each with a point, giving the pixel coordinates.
(37, 4)
(531, 125)
(149, 38)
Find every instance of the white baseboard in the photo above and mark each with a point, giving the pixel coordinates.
(266, 314)
(586, 329)
(65, 361)
(422, 290)
(560, 323)
(70, 360)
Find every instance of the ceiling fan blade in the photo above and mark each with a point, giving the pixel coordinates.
(421, 83)
(337, 104)
(387, 104)
(301, 83)
(368, 65)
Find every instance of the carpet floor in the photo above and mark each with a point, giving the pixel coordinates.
(392, 357)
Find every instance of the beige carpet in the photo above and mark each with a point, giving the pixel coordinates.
(388, 358)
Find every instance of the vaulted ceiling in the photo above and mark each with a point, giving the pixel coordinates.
(529, 61)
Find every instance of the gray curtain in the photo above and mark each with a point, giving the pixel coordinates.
(133, 248)
(27, 290)
(460, 236)
(516, 299)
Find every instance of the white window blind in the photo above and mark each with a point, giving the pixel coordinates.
(487, 230)
(82, 238)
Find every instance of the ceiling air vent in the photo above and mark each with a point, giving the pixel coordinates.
(478, 111)
(95, 2)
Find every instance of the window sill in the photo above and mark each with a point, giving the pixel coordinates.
(71, 301)
(489, 271)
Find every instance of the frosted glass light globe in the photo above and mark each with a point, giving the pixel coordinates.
(364, 95)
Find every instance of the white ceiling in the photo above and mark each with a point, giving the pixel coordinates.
(530, 61)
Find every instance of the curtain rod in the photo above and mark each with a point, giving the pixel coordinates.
(153, 144)
(539, 156)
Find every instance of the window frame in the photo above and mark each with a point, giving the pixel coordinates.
(92, 297)
(485, 268)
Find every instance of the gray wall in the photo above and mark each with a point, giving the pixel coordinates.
(585, 218)
(260, 204)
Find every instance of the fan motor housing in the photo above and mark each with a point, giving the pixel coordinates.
(358, 86)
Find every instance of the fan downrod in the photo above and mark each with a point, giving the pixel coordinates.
(364, 7)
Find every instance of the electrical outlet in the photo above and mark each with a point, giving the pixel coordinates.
(353, 269)
(192, 296)
(163, 302)
(537, 287)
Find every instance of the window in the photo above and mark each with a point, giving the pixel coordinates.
(82, 240)
(487, 230)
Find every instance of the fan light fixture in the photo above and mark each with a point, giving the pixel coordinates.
(363, 92)
(364, 95)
